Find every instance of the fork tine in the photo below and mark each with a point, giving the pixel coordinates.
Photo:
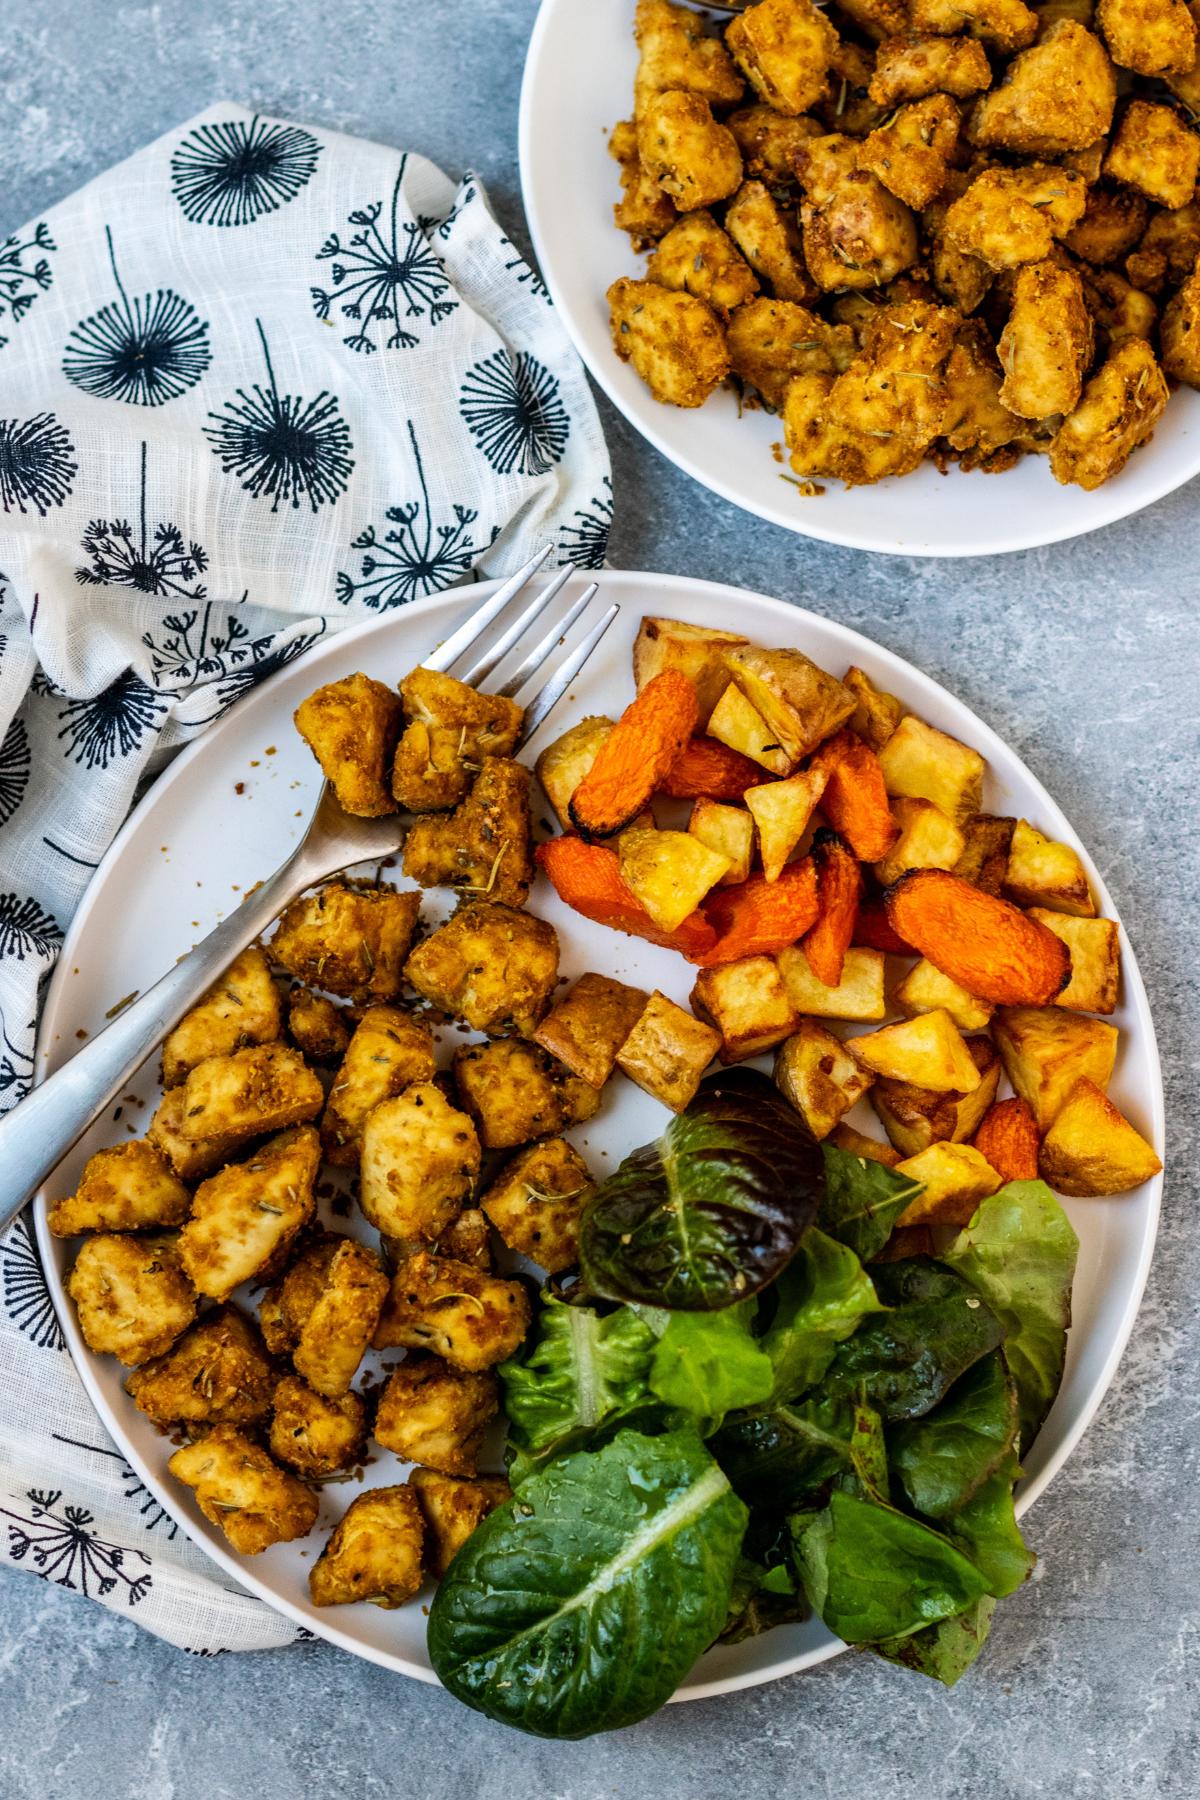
(541, 650)
(552, 691)
(461, 640)
(479, 670)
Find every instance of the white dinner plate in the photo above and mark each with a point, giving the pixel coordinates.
(578, 83)
(230, 809)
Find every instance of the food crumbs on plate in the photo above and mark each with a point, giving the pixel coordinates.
(122, 1004)
(270, 750)
(239, 787)
(254, 762)
(81, 1033)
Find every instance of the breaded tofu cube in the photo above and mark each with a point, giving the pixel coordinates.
(374, 1554)
(896, 386)
(453, 1509)
(678, 52)
(1091, 1148)
(673, 340)
(218, 1373)
(191, 1158)
(1009, 24)
(132, 1295)
(915, 1117)
(249, 1093)
(241, 1008)
(801, 703)
(1043, 872)
(1095, 960)
(1151, 37)
(955, 1178)
(859, 994)
(482, 846)
(432, 1414)
(1119, 310)
(768, 236)
(466, 1238)
(1011, 216)
(1121, 405)
(920, 762)
(314, 1435)
(856, 234)
(668, 1051)
(588, 1026)
(390, 1051)
(288, 1302)
(694, 159)
(515, 1091)
(471, 1319)
(420, 1160)
(908, 67)
(130, 1187)
(245, 1217)
(728, 830)
(351, 941)
(784, 49)
(698, 258)
(537, 1200)
(342, 1319)
(643, 210)
(351, 727)
(1047, 344)
(820, 446)
(926, 1052)
(1180, 333)
(317, 1027)
(562, 765)
(958, 278)
(927, 839)
(239, 1488)
(924, 989)
(910, 152)
(768, 141)
(770, 341)
(1058, 95)
(747, 1003)
(1153, 151)
(490, 966)
(816, 1073)
(451, 727)
(1169, 245)
(1045, 1051)
(877, 19)
(847, 105)
(1113, 221)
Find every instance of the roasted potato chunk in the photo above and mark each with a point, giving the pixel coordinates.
(1011, 216)
(869, 1149)
(670, 872)
(536, 1201)
(747, 1003)
(729, 830)
(314, 1435)
(1121, 405)
(375, 1553)
(920, 762)
(801, 704)
(191, 1158)
(390, 1051)
(694, 160)
(132, 1295)
(915, 1117)
(697, 257)
(1095, 960)
(351, 941)
(482, 846)
(677, 52)
(984, 862)
(317, 1027)
(877, 712)
(471, 1319)
(1180, 334)
(288, 1302)
(673, 340)
(696, 651)
(342, 1319)
(925, 989)
(927, 839)
(1153, 151)
(1008, 24)
(1091, 1148)
(911, 68)
(218, 1373)
(1151, 37)
(667, 1052)
(1045, 1051)
(1047, 344)
(490, 966)
(1058, 95)
(956, 1177)
(927, 1052)
(770, 341)
(768, 236)
(1042, 872)
(562, 765)
(859, 994)
(737, 723)
(130, 1187)
(432, 1414)
(784, 49)
(241, 1008)
(351, 727)
(514, 1092)
(420, 1161)
(238, 1487)
(451, 727)
(588, 1026)
(452, 1509)
(263, 1088)
(910, 152)
(815, 1071)
(782, 812)
(856, 234)
(769, 140)
(244, 1218)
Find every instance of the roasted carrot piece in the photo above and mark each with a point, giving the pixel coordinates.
(873, 930)
(708, 770)
(588, 877)
(635, 756)
(759, 917)
(839, 889)
(1008, 1137)
(988, 945)
(855, 800)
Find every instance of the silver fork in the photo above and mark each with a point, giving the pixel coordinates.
(36, 1135)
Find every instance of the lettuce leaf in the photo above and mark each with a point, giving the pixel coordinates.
(821, 1298)
(986, 1530)
(578, 1368)
(709, 1364)
(781, 1457)
(904, 1361)
(944, 1651)
(863, 1200)
(944, 1458)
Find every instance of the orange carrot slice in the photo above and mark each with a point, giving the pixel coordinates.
(873, 930)
(588, 878)
(708, 770)
(987, 945)
(759, 917)
(1008, 1138)
(635, 756)
(855, 800)
(839, 889)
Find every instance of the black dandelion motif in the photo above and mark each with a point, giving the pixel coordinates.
(63, 1546)
(134, 1488)
(16, 1068)
(512, 410)
(145, 351)
(378, 273)
(14, 769)
(584, 539)
(26, 1297)
(281, 444)
(37, 464)
(194, 649)
(24, 274)
(26, 929)
(154, 563)
(414, 557)
(233, 173)
(112, 723)
(267, 657)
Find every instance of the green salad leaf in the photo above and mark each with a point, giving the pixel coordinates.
(709, 1364)
(986, 1530)
(579, 1367)
(762, 1598)
(904, 1360)
(944, 1651)
(580, 1605)
(944, 1458)
(863, 1200)
(713, 1210)
(821, 1298)
(782, 1456)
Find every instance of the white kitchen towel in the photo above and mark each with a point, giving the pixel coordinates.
(256, 383)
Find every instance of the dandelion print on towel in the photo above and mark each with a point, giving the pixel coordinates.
(62, 1546)
(281, 444)
(380, 273)
(26, 929)
(24, 274)
(158, 562)
(512, 410)
(136, 1492)
(414, 557)
(112, 723)
(14, 769)
(16, 1072)
(26, 1297)
(37, 464)
(266, 657)
(145, 351)
(233, 173)
(583, 540)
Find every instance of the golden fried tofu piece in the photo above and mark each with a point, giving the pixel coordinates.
(668, 1051)
(910, 152)
(816, 1073)
(784, 49)
(1043, 872)
(1185, 83)
(288, 1302)
(1180, 335)
(482, 846)
(132, 1295)
(694, 159)
(191, 1158)
(351, 727)
(390, 1050)
(924, 989)
(130, 1187)
(1153, 151)
(958, 277)
(856, 234)
(1011, 216)
(467, 1239)
(420, 1159)
(1151, 37)
(1168, 250)
(1047, 344)
(1008, 24)
(1119, 311)
(490, 966)
(847, 105)
(253, 1091)
(246, 1216)
(768, 236)
(514, 1091)
(588, 1026)
(1056, 96)
(678, 52)
(922, 763)
(452, 1510)
(241, 1008)
(673, 340)
(915, 1116)
(375, 1553)
(770, 341)
(643, 210)
(820, 446)
(562, 765)
(314, 1435)
(909, 67)
(350, 940)
(1095, 960)
(239, 1488)
(470, 1318)
(1045, 1051)
(748, 1005)
(1091, 1148)
(926, 839)
(954, 1177)
(697, 257)
(977, 422)
(218, 1373)
(342, 1319)
(317, 1027)
(451, 727)
(895, 384)
(801, 703)
(1113, 221)
(536, 1202)
(1121, 405)
(432, 1414)
(769, 140)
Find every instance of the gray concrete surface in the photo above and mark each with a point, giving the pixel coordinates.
(1087, 658)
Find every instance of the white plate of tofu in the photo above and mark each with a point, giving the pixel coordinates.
(578, 86)
(232, 807)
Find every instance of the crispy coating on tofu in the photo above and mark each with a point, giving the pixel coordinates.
(820, 447)
(678, 52)
(241, 1008)
(643, 210)
(848, 105)
(471, 1319)
(312, 1434)
(351, 727)
(1058, 95)
(1168, 249)
(673, 340)
(1119, 311)
(536, 1202)
(770, 341)
(877, 19)
(1151, 37)
(668, 1051)
(432, 1414)
(374, 1554)
(132, 1295)
(588, 1026)
(390, 1050)
(909, 67)
(1180, 336)
(1113, 221)
(450, 728)
(238, 1487)
(1008, 24)
(420, 1161)
(697, 257)
(910, 153)
(483, 845)
(490, 966)
(1011, 216)
(959, 278)
(288, 1302)
(768, 236)
(316, 1026)
(977, 423)
(191, 1158)
(218, 1373)
(452, 1510)
(515, 1091)
(249, 1093)
(1153, 151)
(895, 388)
(1047, 344)
(342, 1320)
(466, 1238)
(769, 140)
(1121, 405)
(130, 1187)
(694, 159)
(245, 1218)
(351, 941)
(856, 234)
(784, 49)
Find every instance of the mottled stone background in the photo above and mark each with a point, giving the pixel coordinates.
(1087, 658)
